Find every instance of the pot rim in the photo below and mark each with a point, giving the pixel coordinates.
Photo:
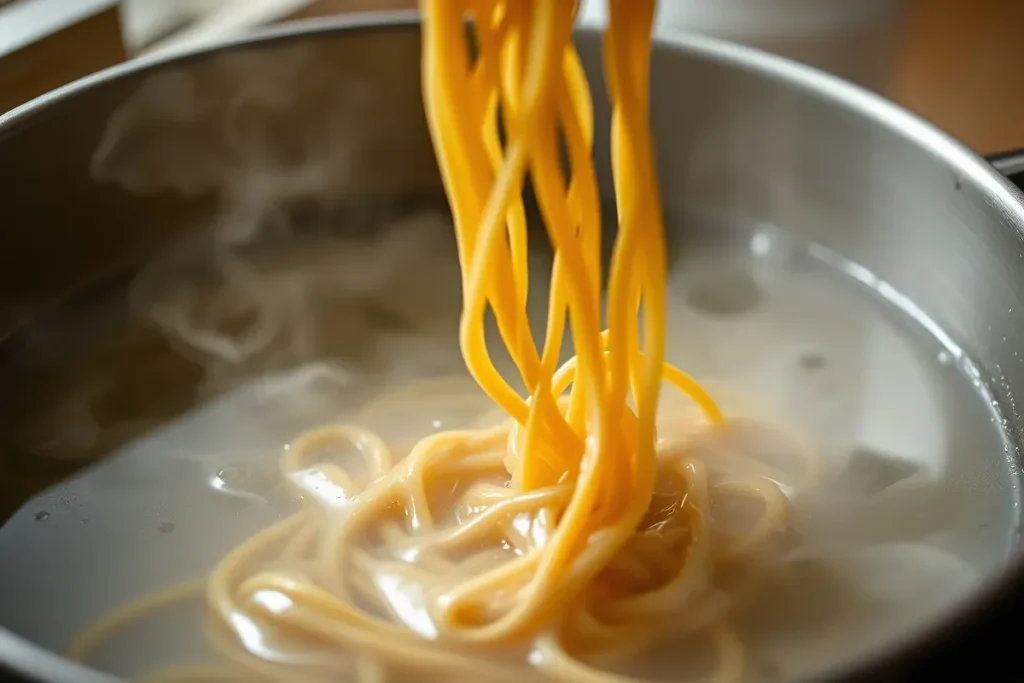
(24, 658)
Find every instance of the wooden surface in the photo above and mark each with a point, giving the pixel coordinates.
(320, 8)
(962, 67)
(85, 47)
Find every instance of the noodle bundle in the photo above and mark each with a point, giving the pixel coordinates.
(568, 537)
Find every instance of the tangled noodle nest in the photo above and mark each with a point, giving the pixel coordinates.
(569, 535)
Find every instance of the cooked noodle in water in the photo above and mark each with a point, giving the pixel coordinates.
(567, 537)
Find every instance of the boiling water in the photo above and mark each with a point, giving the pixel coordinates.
(916, 506)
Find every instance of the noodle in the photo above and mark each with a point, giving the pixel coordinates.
(561, 536)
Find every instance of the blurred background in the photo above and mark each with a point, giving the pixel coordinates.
(958, 63)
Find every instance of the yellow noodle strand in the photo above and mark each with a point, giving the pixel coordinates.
(559, 539)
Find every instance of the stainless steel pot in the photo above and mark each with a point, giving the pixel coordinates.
(99, 176)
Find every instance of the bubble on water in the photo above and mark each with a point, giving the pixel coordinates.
(42, 516)
(244, 479)
(812, 361)
(246, 483)
(761, 243)
(726, 293)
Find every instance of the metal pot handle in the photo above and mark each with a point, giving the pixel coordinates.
(1011, 165)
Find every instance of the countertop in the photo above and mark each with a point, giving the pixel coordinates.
(962, 67)
(26, 21)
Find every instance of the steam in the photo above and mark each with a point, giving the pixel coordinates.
(309, 254)
(211, 127)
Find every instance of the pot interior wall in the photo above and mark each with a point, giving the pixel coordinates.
(290, 144)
